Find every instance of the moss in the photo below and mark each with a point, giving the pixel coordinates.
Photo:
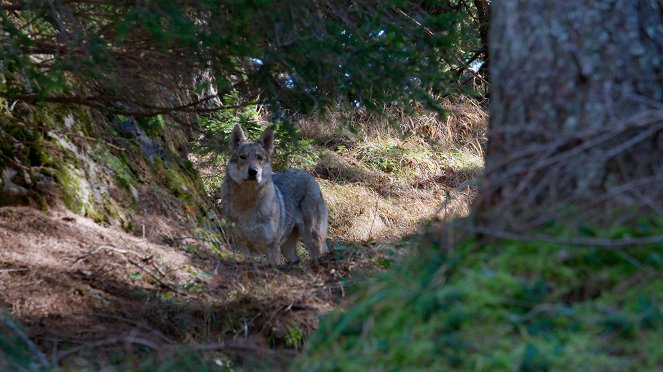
(21, 133)
(42, 205)
(39, 154)
(56, 116)
(76, 193)
(505, 306)
(69, 188)
(175, 182)
(41, 117)
(153, 126)
(116, 213)
(189, 169)
(124, 175)
(294, 336)
(85, 121)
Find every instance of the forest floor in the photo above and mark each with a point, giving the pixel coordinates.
(89, 296)
(87, 293)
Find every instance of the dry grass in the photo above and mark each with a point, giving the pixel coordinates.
(385, 176)
(465, 123)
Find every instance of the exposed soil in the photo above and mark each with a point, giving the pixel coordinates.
(85, 292)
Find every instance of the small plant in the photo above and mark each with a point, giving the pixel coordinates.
(294, 336)
(152, 125)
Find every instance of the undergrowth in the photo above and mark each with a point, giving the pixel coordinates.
(382, 174)
(396, 151)
(508, 305)
(412, 149)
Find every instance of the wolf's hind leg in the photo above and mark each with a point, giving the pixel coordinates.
(289, 247)
(274, 255)
(314, 231)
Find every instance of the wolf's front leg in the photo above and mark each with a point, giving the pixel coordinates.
(274, 255)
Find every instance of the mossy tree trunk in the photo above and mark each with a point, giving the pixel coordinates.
(576, 111)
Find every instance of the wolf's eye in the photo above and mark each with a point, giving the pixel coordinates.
(259, 158)
(243, 157)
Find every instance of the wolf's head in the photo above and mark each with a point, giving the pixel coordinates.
(250, 161)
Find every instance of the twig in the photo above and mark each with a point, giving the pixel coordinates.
(110, 341)
(583, 242)
(530, 172)
(137, 264)
(88, 138)
(453, 54)
(13, 270)
(163, 283)
(257, 350)
(543, 308)
(100, 248)
(96, 102)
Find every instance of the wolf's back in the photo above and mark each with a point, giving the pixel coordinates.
(294, 184)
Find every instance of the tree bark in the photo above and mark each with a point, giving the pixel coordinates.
(576, 111)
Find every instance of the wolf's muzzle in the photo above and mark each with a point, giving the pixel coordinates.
(252, 173)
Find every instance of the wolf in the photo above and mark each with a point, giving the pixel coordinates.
(271, 211)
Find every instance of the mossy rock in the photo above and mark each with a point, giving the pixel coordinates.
(76, 193)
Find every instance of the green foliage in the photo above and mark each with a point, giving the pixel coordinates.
(385, 159)
(292, 55)
(152, 125)
(504, 306)
(291, 151)
(294, 338)
(220, 124)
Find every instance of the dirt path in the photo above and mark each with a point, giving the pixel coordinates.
(85, 292)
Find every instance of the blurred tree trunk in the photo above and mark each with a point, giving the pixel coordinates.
(576, 111)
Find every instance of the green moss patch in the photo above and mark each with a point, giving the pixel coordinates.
(76, 193)
(504, 306)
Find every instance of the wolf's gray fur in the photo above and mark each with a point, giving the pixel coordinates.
(271, 212)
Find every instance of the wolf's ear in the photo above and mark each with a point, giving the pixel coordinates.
(237, 137)
(267, 140)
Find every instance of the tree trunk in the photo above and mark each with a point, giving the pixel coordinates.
(576, 111)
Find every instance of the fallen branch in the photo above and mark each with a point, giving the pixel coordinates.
(163, 283)
(582, 242)
(131, 339)
(13, 270)
(99, 249)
